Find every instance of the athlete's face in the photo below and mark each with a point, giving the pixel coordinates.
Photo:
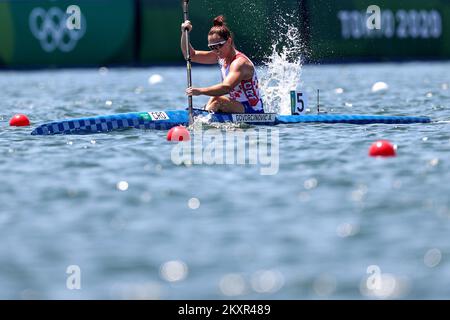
(218, 45)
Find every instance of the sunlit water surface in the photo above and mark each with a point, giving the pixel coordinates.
(138, 226)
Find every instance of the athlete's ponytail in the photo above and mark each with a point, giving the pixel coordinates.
(220, 28)
(219, 21)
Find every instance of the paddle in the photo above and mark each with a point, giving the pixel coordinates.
(188, 59)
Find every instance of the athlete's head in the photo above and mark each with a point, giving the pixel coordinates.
(220, 39)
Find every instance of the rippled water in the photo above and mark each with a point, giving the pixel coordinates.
(117, 207)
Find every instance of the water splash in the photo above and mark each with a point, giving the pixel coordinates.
(204, 122)
(283, 67)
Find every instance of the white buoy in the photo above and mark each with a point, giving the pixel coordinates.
(154, 79)
(103, 71)
(380, 86)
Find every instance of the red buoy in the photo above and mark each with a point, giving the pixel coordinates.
(19, 120)
(382, 148)
(178, 133)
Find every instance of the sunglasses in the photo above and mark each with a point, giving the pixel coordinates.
(217, 45)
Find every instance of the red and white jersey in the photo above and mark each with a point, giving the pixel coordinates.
(246, 90)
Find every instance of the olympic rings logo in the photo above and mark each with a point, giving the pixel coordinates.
(49, 27)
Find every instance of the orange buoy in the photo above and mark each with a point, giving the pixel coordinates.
(179, 133)
(382, 148)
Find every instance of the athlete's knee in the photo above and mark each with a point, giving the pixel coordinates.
(214, 107)
(215, 101)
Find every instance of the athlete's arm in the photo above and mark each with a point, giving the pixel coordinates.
(205, 57)
(239, 71)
